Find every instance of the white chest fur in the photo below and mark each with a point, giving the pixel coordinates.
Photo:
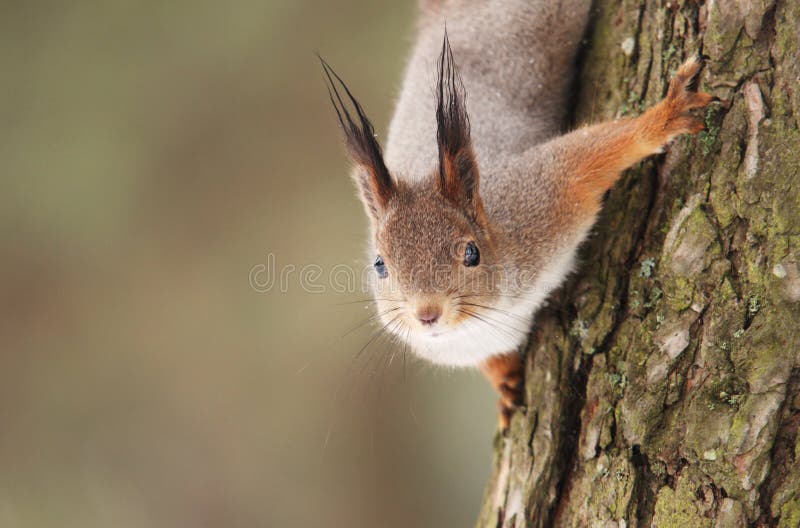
(502, 329)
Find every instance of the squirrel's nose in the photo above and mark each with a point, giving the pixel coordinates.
(428, 315)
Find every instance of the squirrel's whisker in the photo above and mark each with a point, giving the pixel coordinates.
(521, 319)
(497, 233)
(369, 319)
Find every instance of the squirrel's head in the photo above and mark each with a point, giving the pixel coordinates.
(434, 258)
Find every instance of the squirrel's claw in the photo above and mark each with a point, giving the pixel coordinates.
(511, 400)
(683, 97)
(506, 374)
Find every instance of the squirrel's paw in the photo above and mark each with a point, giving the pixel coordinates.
(512, 398)
(683, 97)
(506, 374)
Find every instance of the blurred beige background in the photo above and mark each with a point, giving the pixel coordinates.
(152, 154)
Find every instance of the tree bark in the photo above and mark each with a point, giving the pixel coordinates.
(662, 381)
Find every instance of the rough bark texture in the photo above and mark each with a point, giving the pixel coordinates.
(662, 384)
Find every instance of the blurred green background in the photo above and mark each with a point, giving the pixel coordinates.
(152, 154)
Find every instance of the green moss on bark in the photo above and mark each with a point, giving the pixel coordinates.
(662, 375)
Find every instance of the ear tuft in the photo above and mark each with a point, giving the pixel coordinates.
(371, 175)
(458, 169)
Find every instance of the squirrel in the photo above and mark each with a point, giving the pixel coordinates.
(477, 210)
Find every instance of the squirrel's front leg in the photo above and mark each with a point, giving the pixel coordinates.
(506, 374)
(598, 154)
(582, 166)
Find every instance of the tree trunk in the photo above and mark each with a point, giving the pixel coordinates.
(662, 382)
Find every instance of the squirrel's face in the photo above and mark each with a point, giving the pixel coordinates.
(434, 264)
(434, 261)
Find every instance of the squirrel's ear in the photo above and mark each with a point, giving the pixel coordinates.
(374, 183)
(458, 169)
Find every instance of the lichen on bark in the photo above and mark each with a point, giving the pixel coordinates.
(662, 380)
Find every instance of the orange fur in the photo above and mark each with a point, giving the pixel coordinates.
(451, 185)
(506, 375)
(613, 147)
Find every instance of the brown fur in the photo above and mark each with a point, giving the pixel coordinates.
(617, 145)
(534, 198)
(506, 375)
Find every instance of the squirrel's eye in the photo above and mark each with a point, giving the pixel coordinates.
(472, 256)
(380, 268)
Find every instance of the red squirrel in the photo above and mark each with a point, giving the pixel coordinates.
(478, 206)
